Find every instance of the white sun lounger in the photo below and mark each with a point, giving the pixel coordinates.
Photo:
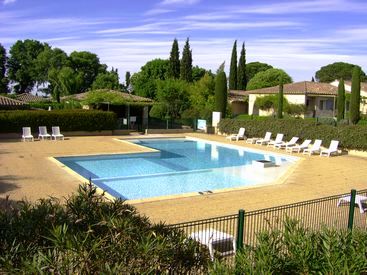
(278, 139)
(315, 148)
(264, 140)
(333, 149)
(27, 135)
(56, 133)
(299, 148)
(288, 144)
(42, 133)
(359, 200)
(238, 136)
(221, 242)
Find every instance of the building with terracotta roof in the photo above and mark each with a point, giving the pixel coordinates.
(7, 103)
(27, 97)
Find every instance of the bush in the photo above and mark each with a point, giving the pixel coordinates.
(68, 120)
(349, 136)
(89, 235)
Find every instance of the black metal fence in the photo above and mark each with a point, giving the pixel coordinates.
(223, 235)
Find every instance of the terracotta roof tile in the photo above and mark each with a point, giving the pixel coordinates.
(7, 101)
(26, 97)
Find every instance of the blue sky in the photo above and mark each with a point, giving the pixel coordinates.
(297, 36)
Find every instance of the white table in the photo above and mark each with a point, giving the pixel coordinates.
(359, 200)
(215, 240)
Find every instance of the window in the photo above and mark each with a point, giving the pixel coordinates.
(326, 104)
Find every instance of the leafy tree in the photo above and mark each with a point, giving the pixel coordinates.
(22, 67)
(337, 70)
(253, 68)
(64, 82)
(241, 71)
(268, 78)
(280, 99)
(174, 61)
(198, 73)
(186, 63)
(354, 112)
(233, 68)
(341, 100)
(87, 65)
(221, 93)
(144, 83)
(3, 78)
(107, 80)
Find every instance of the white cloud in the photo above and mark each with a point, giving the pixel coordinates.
(178, 2)
(6, 2)
(157, 11)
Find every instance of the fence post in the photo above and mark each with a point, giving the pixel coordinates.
(240, 229)
(351, 208)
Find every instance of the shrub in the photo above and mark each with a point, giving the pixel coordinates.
(68, 120)
(89, 235)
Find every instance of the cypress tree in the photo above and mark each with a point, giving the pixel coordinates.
(241, 70)
(174, 61)
(280, 99)
(127, 79)
(3, 78)
(355, 95)
(186, 63)
(341, 99)
(221, 93)
(233, 68)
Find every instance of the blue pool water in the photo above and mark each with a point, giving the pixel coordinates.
(179, 166)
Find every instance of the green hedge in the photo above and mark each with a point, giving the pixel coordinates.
(68, 120)
(349, 136)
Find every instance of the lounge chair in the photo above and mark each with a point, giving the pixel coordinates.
(288, 144)
(278, 139)
(56, 133)
(315, 148)
(299, 148)
(333, 149)
(238, 136)
(264, 140)
(359, 201)
(42, 133)
(27, 135)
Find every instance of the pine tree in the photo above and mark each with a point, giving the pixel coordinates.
(355, 95)
(221, 93)
(233, 68)
(341, 99)
(280, 99)
(241, 70)
(3, 78)
(186, 63)
(174, 61)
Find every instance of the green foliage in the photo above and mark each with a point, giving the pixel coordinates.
(272, 102)
(107, 80)
(3, 79)
(127, 80)
(350, 136)
(144, 83)
(335, 71)
(89, 235)
(266, 102)
(68, 120)
(233, 68)
(253, 68)
(221, 93)
(298, 250)
(355, 96)
(174, 61)
(198, 73)
(241, 71)
(186, 63)
(268, 78)
(69, 104)
(280, 99)
(341, 100)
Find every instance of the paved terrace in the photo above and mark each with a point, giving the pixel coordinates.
(27, 172)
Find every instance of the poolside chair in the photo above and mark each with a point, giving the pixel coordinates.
(333, 149)
(27, 135)
(278, 139)
(42, 133)
(56, 133)
(238, 136)
(288, 144)
(314, 148)
(264, 140)
(299, 148)
(359, 200)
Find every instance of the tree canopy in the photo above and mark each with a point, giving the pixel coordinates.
(341, 100)
(337, 70)
(355, 96)
(233, 68)
(107, 80)
(3, 78)
(186, 63)
(174, 61)
(268, 78)
(221, 93)
(253, 68)
(241, 70)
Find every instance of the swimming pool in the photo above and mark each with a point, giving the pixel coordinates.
(177, 166)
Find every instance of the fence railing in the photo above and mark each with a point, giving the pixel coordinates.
(227, 233)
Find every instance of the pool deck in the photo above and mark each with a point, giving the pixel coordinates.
(26, 171)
